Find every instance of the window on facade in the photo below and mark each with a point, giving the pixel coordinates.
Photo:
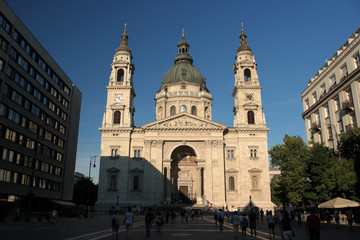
(113, 182)
(172, 110)
(314, 97)
(183, 86)
(251, 118)
(136, 183)
(344, 71)
(137, 154)
(253, 153)
(117, 117)
(307, 104)
(231, 183)
(357, 60)
(183, 108)
(120, 75)
(230, 153)
(323, 90)
(332, 80)
(247, 75)
(114, 152)
(193, 110)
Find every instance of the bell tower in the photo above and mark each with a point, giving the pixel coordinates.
(120, 99)
(248, 110)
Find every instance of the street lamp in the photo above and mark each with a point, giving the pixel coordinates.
(88, 190)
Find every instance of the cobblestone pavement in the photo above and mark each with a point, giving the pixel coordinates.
(205, 229)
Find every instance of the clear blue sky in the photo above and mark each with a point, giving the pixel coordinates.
(290, 40)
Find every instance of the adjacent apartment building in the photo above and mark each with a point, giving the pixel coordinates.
(331, 100)
(39, 117)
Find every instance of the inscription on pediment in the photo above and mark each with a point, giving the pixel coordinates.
(182, 123)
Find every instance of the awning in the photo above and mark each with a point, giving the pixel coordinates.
(63, 203)
(339, 203)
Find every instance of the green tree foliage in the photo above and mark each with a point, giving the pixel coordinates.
(290, 157)
(85, 192)
(350, 149)
(316, 176)
(276, 191)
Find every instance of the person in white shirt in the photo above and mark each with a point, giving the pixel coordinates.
(128, 221)
(235, 220)
(271, 224)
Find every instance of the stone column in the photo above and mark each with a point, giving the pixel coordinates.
(198, 191)
(167, 168)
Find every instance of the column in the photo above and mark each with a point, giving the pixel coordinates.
(168, 197)
(198, 189)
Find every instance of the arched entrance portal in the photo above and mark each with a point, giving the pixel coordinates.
(185, 176)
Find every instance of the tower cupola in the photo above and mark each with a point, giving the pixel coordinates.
(124, 45)
(183, 51)
(243, 44)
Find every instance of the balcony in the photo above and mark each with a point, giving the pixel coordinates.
(316, 126)
(348, 106)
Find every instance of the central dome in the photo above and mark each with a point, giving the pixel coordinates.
(183, 71)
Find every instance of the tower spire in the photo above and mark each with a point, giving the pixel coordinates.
(243, 44)
(124, 45)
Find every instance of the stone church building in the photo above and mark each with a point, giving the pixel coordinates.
(184, 156)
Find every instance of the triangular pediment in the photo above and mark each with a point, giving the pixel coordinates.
(184, 121)
(120, 61)
(232, 170)
(117, 105)
(113, 169)
(255, 170)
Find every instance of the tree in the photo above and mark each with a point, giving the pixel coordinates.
(316, 176)
(82, 189)
(291, 158)
(350, 149)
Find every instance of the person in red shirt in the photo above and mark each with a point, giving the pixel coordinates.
(313, 226)
(252, 221)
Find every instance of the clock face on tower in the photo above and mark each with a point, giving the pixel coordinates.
(118, 97)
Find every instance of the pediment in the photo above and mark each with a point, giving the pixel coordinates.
(232, 170)
(255, 170)
(120, 61)
(184, 121)
(113, 169)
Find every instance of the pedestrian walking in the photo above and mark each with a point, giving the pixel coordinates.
(313, 226)
(271, 224)
(216, 218)
(261, 215)
(235, 220)
(221, 219)
(159, 221)
(244, 224)
(182, 214)
(128, 221)
(252, 220)
(149, 219)
(115, 225)
(286, 227)
(173, 215)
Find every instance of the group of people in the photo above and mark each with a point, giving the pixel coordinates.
(128, 222)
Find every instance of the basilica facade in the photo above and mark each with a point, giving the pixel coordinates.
(183, 156)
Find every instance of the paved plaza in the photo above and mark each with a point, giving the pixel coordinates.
(99, 228)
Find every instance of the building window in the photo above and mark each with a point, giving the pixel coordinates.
(357, 60)
(231, 183)
(307, 104)
(253, 153)
(193, 110)
(247, 75)
(314, 96)
(113, 182)
(136, 183)
(323, 90)
(183, 108)
(120, 75)
(117, 117)
(332, 80)
(230, 153)
(172, 110)
(251, 118)
(344, 71)
(137, 153)
(114, 152)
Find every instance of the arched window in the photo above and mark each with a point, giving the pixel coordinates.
(247, 75)
(120, 75)
(251, 118)
(183, 108)
(172, 110)
(117, 117)
(193, 110)
(231, 183)
(232, 154)
(113, 182)
(136, 183)
(136, 153)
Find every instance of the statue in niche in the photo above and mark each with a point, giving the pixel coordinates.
(254, 182)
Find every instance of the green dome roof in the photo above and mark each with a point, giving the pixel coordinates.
(183, 71)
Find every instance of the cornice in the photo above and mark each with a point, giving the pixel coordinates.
(120, 129)
(325, 98)
(247, 129)
(331, 66)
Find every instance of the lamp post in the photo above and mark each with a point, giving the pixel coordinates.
(92, 164)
